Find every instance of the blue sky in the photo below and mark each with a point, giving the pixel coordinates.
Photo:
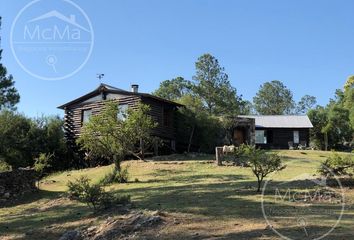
(306, 44)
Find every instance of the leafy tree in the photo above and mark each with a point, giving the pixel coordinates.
(212, 85)
(274, 98)
(23, 139)
(319, 118)
(15, 145)
(337, 129)
(108, 136)
(306, 103)
(173, 89)
(196, 127)
(263, 164)
(9, 96)
(348, 99)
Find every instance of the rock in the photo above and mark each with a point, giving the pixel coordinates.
(70, 235)
(6, 195)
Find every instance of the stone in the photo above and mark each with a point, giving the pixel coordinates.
(7, 195)
(70, 235)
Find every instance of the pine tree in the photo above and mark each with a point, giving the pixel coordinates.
(9, 96)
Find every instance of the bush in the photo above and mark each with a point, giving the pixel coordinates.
(261, 162)
(242, 153)
(4, 166)
(116, 176)
(338, 165)
(42, 164)
(93, 194)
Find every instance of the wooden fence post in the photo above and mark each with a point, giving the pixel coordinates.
(219, 155)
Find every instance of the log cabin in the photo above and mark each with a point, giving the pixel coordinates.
(79, 110)
(272, 131)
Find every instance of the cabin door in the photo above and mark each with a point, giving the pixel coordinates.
(239, 136)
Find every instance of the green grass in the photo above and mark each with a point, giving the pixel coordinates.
(209, 201)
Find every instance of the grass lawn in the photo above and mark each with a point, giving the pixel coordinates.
(205, 201)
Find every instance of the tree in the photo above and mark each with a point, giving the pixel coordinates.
(348, 99)
(15, 145)
(108, 136)
(274, 98)
(319, 118)
(262, 164)
(212, 85)
(9, 96)
(337, 129)
(22, 140)
(173, 89)
(306, 103)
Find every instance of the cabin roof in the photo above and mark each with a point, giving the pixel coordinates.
(280, 121)
(110, 89)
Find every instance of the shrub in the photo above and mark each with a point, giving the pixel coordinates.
(261, 163)
(116, 176)
(242, 153)
(4, 166)
(338, 165)
(42, 165)
(93, 194)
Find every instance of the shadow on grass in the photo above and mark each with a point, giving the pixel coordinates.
(39, 220)
(31, 197)
(256, 234)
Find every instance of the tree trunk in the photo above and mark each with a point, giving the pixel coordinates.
(326, 140)
(142, 152)
(190, 139)
(117, 161)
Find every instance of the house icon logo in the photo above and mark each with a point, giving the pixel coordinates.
(51, 41)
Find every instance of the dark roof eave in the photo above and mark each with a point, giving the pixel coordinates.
(98, 90)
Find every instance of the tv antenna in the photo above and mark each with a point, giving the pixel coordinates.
(100, 76)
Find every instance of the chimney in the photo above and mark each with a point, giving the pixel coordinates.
(135, 88)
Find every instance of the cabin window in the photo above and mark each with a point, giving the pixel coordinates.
(166, 117)
(122, 111)
(86, 114)
(296, 137)
(261, 137)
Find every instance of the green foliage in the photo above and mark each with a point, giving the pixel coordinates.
(337, 165)
(242, 153)
(334, 124)
(115, 176)
(274, 98)
(196, 127)
(4, 166)
(213, 87)
(9, 96)
(173, 89)
(306, 103)
(42, 164)
(261, 162)
(107, 136)
(23, 139)
(93, 194)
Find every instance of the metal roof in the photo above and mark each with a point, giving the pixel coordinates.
(281, 121)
